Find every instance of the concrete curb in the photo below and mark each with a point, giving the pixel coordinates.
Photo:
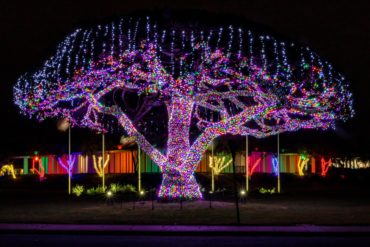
(186, 230)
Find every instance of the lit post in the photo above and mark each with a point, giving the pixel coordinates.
(246, 165)
(139, 170)
(278, 163)
(69, 158)
(213, 173)
(152, 193)
(243, 195)
(233, 147)
(210, 199)
(103, 159)
(109, 197)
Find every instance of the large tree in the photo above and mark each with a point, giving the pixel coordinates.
(186, 83)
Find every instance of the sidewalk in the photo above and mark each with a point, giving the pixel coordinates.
(185, 229)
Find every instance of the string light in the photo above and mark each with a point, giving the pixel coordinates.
(217, 164)
(275, 165)
(325, 166)
(98, 164)
(8, 169)
(302, 164)
(67, 164)
(355, 163)
(216, 84)
(252, 168)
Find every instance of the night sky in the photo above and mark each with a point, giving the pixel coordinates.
(338, 30)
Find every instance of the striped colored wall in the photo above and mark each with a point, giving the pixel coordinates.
(125, 161)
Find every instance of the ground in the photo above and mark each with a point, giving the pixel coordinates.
(312, 202)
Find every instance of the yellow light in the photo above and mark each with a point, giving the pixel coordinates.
(109, 194)
(98, 166)
(218, 164)
(302, 163)
(242, 192)
(8, 169)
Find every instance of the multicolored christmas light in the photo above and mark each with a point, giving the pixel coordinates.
(222, 81)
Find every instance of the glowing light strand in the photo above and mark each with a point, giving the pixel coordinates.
(208, 82)
(325, 166)
(99, 166)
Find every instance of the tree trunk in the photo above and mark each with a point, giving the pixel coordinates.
(178, 186)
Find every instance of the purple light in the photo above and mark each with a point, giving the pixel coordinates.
(221, 84)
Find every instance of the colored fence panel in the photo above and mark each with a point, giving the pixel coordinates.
(25, 165)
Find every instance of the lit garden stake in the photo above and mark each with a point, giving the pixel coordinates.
(243, 195)
(246, 165)
(105, 164)
(212, 170)
(278, 163)
(101, 163)
(217, 83)
(109, 196)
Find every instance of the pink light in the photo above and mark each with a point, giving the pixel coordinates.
(233, 88)
(252, 168)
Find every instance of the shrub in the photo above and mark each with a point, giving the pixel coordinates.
(116, 188)
(128, 188)
(91, 191)
(78, 190)
(100, 189)
(267, 191)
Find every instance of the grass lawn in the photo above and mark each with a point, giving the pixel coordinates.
(260, 211)
(24, 204)
(303, 201)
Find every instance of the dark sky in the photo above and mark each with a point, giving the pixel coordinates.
(338, 30)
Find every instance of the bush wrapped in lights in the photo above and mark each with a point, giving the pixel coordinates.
(186, 83)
